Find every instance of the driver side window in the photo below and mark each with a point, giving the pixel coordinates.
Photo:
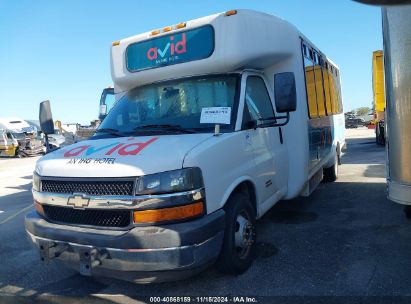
(257, 104)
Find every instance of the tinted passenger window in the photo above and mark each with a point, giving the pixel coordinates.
(319, 88)
(328, 100)
(257, 106)
(322, 85)
(310, 85)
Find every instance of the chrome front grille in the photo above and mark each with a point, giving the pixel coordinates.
(92, 187)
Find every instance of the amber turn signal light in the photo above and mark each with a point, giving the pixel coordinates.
(168, 214)
(39, 208)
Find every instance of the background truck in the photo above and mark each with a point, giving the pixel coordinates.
(378, 96)
(74, 132)
(396, 24)
(397, 65)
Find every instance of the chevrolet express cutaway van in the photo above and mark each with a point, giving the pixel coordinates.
(216, 120)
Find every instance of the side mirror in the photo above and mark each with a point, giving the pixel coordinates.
(285, 92)
(45, 118)
(103, 111)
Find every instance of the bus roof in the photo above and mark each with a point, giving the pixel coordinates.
(214, 44)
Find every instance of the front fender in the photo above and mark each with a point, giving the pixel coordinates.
(234, 185)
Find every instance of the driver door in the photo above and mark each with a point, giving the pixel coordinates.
(263, 137)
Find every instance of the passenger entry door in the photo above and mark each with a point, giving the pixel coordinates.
(263, 138)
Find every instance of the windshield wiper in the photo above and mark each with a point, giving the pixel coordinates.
(110, 131)
(165, 127)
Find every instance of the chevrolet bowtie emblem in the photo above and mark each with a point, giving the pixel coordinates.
(78, 201)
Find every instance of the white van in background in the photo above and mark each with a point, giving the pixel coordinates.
(217, 120)
(24, 136)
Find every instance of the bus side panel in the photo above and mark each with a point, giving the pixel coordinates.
(324, 106)
(339, 130)
(320, 134)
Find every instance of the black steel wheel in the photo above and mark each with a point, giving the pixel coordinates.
(238, 249)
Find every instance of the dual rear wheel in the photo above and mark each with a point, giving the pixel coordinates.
(331, 173)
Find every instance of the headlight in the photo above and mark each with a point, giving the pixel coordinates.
(36, 181)
(170, 181)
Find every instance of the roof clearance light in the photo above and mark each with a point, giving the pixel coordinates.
(167, 29)
(230, 13)
(156, 32)
(115, 43)
(181, 25)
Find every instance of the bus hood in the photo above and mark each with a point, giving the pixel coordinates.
(120, 156)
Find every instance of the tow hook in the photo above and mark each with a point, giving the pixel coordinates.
(90, 258)
(51, 250)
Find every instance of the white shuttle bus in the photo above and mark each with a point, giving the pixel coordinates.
(217, 120)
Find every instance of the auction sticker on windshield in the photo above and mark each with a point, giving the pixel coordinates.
(216, 115)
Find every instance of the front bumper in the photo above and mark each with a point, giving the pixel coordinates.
(142, 254)
(33, 151)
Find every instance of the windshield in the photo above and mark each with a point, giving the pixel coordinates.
(19, 136)
(172, 106)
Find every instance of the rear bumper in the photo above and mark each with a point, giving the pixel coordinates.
(142, 254)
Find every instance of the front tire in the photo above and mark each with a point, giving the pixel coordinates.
(239, 244)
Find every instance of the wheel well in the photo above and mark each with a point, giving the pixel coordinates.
(248, 188)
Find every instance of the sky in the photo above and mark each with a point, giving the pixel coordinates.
(60, 50)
